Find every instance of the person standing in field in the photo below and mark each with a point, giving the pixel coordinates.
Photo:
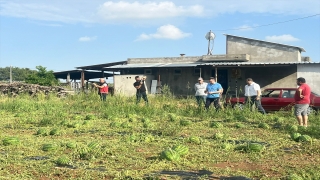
(103, 89)
(213, 91)
(141, 89)
(200, 89)
(302, 101)
(253, 95)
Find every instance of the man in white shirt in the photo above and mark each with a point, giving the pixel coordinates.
(200, 88)
(253, 95)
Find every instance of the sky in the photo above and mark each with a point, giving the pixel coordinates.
(65, 34)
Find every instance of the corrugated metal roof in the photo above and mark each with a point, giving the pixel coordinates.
(254, 63)
(301, 48)
(152, 65)
(100, 66)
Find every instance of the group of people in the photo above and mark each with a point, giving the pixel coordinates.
(208, 93)
(139, 85)
(211, 92)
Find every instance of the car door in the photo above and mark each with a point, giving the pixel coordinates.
(270, 99)
(286, 101)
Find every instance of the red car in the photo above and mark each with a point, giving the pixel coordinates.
(275, 99)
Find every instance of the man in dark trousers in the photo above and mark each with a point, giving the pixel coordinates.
(141, 89)
(213, 91)
(253, 95)
(302, 101)
(103, 89)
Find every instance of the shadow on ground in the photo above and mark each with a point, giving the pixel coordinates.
(187, 175)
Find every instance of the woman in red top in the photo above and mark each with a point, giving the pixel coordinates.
(302, 100)
(103, 89)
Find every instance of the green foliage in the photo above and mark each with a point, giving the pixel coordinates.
(103, 149)
(42, 77)
(18, 74)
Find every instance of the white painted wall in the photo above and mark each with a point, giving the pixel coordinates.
(311, 72)
(123, 84)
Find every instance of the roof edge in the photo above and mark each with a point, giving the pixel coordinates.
(300, 48)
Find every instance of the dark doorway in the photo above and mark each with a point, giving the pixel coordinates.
(222, 78)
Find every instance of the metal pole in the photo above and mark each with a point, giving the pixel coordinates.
(209, 46)
(216, 74)
(200, 73)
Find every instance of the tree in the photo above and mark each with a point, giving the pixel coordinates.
(18, 74)
(42, 77)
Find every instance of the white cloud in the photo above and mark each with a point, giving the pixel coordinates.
(282, 38)
(87, 38)
(156, 11)
(244, 28)
(165, 32)
(149, 10)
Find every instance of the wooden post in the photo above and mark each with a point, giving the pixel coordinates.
(114, 83)
(10, 74)
(68, 78)
(82, 80)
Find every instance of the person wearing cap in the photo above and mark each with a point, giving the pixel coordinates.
(103, 89)
(213, 91)
(253, 95)
(200, 88)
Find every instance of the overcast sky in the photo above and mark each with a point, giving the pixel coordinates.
(61, 35)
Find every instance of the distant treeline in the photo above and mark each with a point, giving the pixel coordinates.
(18, 74)
(40, 76)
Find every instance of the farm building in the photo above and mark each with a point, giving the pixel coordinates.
(269, 64)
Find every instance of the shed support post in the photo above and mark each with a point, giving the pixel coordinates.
(82, 80)
(216, 74)
(68, 78)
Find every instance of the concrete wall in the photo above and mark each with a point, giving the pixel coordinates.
(266, 77)
(261, 51)
(123, 84)
(182, 84)
(311, 72)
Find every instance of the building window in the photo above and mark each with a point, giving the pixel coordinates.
(177, 71)
(147, 71)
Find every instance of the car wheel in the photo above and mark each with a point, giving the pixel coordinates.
(238, 106)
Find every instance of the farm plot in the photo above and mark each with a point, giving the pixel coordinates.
(80, 137)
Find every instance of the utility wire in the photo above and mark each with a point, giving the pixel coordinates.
(269, 24)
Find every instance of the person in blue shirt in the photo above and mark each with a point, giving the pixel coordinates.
(213, 91)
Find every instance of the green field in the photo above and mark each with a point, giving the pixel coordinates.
(79, 137)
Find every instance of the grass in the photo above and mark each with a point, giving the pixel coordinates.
(79, 137)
